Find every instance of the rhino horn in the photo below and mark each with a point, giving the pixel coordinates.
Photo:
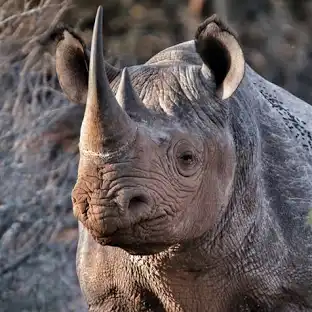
(106, 126)
(127, 96)
(111, 71)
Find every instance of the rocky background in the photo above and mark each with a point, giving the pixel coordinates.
(39, 128)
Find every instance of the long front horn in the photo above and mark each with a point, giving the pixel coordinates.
(111, 71)
(106, 126)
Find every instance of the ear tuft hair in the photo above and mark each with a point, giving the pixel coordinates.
(220, 51)
(71, 64)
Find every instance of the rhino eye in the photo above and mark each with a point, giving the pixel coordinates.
(187, 158)
(187, 163)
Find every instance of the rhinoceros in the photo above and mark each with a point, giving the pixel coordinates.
(195, 179)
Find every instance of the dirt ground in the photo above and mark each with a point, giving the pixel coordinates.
(39, 128)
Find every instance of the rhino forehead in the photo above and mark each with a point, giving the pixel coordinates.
(176, 91)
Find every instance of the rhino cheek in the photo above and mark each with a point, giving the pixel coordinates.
(220, 177)
(214, 189)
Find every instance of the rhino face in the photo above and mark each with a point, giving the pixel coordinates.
(156, 169)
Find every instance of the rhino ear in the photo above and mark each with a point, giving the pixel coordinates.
(72, 67)
(221, 53)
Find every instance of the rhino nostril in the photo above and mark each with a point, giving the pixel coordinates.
(137, 201)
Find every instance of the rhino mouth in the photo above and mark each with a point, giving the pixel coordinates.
(135, 238)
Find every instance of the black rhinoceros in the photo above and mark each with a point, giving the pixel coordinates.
(195, 180)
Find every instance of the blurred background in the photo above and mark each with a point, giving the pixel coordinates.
(39, 128)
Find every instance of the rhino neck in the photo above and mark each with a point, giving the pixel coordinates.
(234, 268)
(181, 277)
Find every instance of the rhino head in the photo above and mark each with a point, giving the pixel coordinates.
(157, 157)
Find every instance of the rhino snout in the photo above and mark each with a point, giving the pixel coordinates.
(107, 211)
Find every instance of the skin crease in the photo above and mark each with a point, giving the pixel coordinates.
(162, 231)
(153, 168)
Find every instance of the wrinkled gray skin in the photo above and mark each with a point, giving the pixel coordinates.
(194, 186)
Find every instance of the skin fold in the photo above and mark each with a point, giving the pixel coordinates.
(194, 187)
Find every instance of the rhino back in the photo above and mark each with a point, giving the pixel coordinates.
(286, 144)
(296, 113)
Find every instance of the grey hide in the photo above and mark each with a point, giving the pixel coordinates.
(235, 236)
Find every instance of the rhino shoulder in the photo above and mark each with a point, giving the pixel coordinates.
(295, 112)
